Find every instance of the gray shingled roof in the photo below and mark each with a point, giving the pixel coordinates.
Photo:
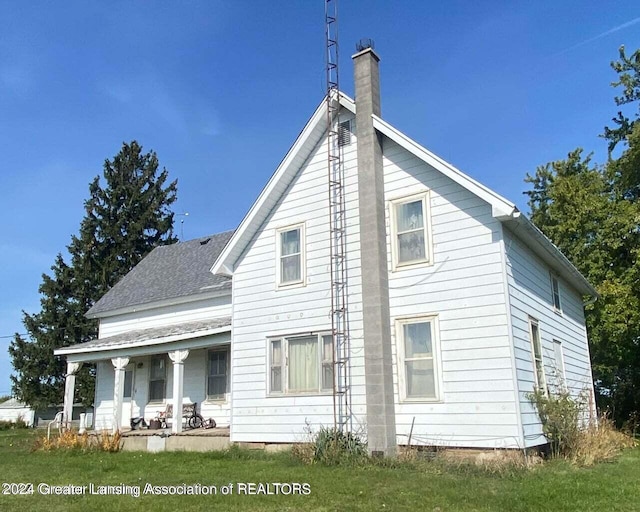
(168, 272)
(158, 334)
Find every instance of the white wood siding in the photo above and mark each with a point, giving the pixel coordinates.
(464, 287)
(195, 385)
(530, 295)
(261, 310)
(166, 315)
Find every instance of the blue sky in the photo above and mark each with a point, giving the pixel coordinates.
(221, 89)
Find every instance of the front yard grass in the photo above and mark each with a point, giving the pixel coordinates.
(430, 486)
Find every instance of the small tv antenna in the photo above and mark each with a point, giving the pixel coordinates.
(185, 214)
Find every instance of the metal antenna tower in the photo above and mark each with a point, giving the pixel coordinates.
(337, 228)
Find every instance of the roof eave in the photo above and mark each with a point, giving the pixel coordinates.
(134, 308)
(523, 227)
(225, 263)
(75, 350)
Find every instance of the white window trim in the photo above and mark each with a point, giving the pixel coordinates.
(561, 367)
(212, 399)
(303, 257)
(284, 364)
(426, 211)
(558, 308)
(435, 337)
(538, 385)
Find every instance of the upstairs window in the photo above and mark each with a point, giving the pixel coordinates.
(555, 294)
(410, 231)
(157, 379)
(301, 364)
(290, 250)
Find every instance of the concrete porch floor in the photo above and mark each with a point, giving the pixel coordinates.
(196, 440)
(166, 432)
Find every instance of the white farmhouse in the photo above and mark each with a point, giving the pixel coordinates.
(457, 305)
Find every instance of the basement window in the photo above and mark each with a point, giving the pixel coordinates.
(301, 364)
(418, 356)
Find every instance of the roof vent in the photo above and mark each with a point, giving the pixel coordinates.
(365, 43)
(205, 241)
(344, 133)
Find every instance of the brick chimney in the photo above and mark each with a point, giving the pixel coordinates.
(381, 421)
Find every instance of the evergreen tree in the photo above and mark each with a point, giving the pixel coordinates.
(628, 69)
(124, 220)
(593, 215)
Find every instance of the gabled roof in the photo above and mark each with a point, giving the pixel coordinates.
(313, 131)
(13, 403)
(502, 209)
(178, 271)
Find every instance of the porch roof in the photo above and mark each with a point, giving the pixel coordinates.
(151, 336)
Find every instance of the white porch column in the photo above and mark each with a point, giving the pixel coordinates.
(69, 391)
(177, 358)
(119, 364)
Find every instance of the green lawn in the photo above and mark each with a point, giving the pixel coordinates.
(431, 486)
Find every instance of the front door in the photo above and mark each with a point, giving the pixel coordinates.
(127, 399)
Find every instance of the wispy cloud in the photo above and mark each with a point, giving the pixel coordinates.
(601, 35)
(185, 115)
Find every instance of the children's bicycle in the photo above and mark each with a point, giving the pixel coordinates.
(197, 421)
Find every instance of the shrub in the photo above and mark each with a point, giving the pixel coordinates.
(600, 442)
(560, 414)
(72, 440)
(331, 446)
(583, 443)
(10, 425)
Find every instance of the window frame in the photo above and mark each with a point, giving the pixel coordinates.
(164, 387)
(302, 254)
(224, 396)
(555, 292)
(400, 322)
(538, 365)
(426, 227)
(559, 366)
(283, 364)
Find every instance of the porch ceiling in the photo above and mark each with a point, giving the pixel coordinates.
(150, 337)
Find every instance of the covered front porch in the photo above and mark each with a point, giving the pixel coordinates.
(139, 373)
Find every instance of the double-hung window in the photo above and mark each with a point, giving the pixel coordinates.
(555, 294)
(558, 355)
(290, 255)
(410, 230)
(217, 374)
(536, 351)
(418, 359)
(157, 378)
(301, 364)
